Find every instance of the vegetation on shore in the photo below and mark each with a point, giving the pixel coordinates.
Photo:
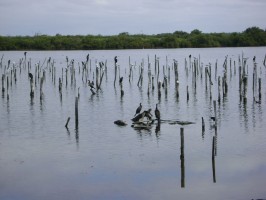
(253, 36)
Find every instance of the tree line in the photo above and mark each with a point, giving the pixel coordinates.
(253, 36)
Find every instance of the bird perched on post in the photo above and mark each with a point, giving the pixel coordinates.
(157, 113)
(138, 109)
(91, 84)
(120, 80)
(30, 76)
(115, 60)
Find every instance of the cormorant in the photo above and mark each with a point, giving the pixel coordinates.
(120, 80)
(31, 76)
(157, 113)
(115, 59)
(213, 118)
(138, 109)
(91, 84)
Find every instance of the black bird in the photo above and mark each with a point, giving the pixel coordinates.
(157, 113)
(30, 76)
(254, 58)
(213, 118)
(138, 109)
(91, 84)
(120, 80)
(147, 113)
(115, 59)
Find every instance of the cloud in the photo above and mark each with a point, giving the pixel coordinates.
(115, 16)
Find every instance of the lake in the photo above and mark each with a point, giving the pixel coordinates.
(42, 159)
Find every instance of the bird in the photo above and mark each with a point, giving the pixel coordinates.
(120, 80)
(115, 59)
(213, 118)
(91, 84)
(147, 113)
(254, 58)
(30, 76)
(138, 109)
(157, 113)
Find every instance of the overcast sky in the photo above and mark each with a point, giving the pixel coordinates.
(111, 17)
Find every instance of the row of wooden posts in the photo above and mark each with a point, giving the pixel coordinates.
(101, 68)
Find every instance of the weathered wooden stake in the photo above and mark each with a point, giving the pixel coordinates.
(3, 82)
(187, 94)
(41, 91)
(202, 125)
(219, 88)
(259, 89)
(76, 113)
(215, 113)
(66, 125)
(31, 88)
(60, 85)
(7, 86)
(177, 89)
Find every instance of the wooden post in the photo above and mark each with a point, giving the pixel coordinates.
(66, 76)
(187, 94)
(177, 89)
(66, 125)
(245, 82)
(259, 89)
(41, 91)
(202, 125)
(76, 113)
(215, 113)
(182, 158)
(115, 73)
(219, 88)
(31, 88)
(60, 85)
(7, 86)
(3, 82)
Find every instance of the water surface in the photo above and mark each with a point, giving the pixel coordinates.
(41, 159)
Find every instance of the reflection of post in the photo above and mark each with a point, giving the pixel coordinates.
(77, 137)
(182, 158)
(213, 159)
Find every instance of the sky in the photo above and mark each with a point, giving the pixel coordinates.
(111, 17)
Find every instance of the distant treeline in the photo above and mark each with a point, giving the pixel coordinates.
(253, 36)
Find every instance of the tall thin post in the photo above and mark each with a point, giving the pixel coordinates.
(76, 113)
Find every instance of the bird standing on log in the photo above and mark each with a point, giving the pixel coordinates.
(157, 113)
(138, 109)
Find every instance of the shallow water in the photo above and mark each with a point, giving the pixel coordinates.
(41, 159)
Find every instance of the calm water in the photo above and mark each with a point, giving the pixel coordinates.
(41, 159)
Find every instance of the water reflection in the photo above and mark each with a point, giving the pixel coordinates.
(102, 107)
(77, 137)
(214, 149)
(182, 157)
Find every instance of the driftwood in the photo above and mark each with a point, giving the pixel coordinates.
(142, 125)
(120, 123)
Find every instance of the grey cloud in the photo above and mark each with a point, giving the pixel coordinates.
(114, 16)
